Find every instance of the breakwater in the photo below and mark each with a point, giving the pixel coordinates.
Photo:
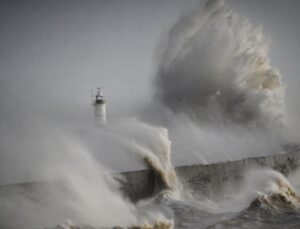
(209, 179)
(202, 179)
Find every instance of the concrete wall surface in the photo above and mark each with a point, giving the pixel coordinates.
(205, 180)
(210, 179)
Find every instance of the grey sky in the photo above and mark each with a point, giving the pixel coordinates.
(54, 52)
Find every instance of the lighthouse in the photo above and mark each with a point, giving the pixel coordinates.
(99, 108)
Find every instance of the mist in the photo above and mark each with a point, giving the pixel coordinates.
(74, 185)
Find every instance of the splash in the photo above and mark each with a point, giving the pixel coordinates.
(75, 186)
(275, 204)
(261, 188)
(273, 190)
(156, 154)
(215, 66)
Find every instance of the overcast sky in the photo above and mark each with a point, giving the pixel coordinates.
(54, 51)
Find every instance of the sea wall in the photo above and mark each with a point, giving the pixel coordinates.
(205, 180)
(138, 185)
(212, 178)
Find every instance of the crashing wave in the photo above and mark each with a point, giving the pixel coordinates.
(276, 192)
(285, 199)
(158, 157)
(215, 66)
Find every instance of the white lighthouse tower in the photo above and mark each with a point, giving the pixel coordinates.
(99, 108)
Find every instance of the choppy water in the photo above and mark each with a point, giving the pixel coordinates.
(268, 200)
(260, 216)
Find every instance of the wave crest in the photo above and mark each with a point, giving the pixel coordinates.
(215, 66)
(277, 193)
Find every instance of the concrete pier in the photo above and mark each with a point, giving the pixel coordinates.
(204, 180)
(209, 179)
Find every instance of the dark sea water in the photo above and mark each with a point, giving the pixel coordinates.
(187, 216)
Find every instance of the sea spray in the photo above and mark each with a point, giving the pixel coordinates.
(215, 89)
(79, 189)
(260, 187)
(152, 144)
(89, 188)
(273, 190)
(215, 66)
(74, 186)
(264, 200)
